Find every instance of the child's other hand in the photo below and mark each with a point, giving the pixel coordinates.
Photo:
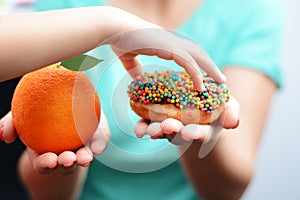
(177, 133)
(67, 161)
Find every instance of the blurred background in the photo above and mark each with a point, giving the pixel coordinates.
(278, 167)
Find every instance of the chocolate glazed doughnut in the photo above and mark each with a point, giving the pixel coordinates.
(171, 94)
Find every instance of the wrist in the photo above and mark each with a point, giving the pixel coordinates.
(120, 21)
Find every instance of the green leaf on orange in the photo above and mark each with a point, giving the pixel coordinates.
(81, 62)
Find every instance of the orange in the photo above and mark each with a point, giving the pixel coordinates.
(55, 109)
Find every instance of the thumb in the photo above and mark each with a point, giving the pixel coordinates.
(131, 63)
(101, 137)
(7, 130)
(230, 116)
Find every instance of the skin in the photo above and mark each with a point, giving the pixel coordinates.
(51, 176)
(223, 174)
(227, 170)
(44, 38)
(48, 37)
(65, 180)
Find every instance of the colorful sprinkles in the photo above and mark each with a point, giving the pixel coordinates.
(177, 88)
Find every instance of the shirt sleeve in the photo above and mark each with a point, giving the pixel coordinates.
(257, 39)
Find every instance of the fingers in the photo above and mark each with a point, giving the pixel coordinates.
(101, 137)
(171, 129)
(132, 64)
(141, 128)
(174, 131)
(163, 44)
(155, 130)
(84, 157)
(185, 60)
(181, 57)
(230, 117)
(166, 129)
(188, 133)
(7, 130)
(205, 61)
(67, 161)
(197, 132)
(44, 163)
(99, 143)
(67, 158)
(170, 126)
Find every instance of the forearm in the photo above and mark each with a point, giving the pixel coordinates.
(50, 186)
(227, 170)
(33, 40)
(223, 174)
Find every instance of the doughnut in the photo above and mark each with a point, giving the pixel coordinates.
(171, 94)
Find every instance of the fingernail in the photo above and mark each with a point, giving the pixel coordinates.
(138, 76)
(224, 78)
(52, 166)
(168, 132)
(201, 87)
(86, 164)
(186, 138)
(68, 164)
(1, 133)
(154, 137)
(237, 124)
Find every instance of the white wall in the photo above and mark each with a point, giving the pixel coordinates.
(278, 168)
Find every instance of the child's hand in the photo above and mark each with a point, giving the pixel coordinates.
(177, 133)
(67, 161)
(161, 43)
(7, 130)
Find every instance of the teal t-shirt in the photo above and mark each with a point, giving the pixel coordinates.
(234, 33)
